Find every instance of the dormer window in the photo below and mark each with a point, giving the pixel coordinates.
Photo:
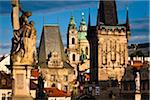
(3, 82)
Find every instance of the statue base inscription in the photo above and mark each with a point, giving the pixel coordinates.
(22, 98)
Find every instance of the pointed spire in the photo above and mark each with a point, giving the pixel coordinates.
(82, 16)
(89, 21)
(107, 13)
(127, 21)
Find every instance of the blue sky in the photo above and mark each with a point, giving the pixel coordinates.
(59, 12)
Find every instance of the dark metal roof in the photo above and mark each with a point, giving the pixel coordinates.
(107, 13)
(50, 42)
(143, 47)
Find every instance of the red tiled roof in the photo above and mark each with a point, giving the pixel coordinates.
(55, 92)
(137, 64)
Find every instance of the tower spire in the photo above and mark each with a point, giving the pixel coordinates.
(107, 13)
(83, 20)
(89, 21)
(127, 21)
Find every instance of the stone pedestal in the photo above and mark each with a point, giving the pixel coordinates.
(137, 96)
(21, 82)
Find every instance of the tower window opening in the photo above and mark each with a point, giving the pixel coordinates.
(86, 50)
(73, 57)
(73, 41)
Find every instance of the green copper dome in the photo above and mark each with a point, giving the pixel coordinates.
(82, 36)
(82, 29)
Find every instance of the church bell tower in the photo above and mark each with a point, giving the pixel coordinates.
(72, 43)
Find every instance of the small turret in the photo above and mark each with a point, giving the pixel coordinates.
(83, 26)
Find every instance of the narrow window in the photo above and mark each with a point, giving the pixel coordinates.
(3, 96)
(53, 77)
(65, 77)
(65, 88)
(9, 96)
(73, 41)
(73, 57)
(86, 50)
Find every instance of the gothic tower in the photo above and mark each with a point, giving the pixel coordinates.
(93, 44)
(72, 43)
(112, 40)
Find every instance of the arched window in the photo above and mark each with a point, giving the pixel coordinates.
(73, 41)
(73, 57)
(9, 96)
(86, 50)
(3, 96)
(53, 85)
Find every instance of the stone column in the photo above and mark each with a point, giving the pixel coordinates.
(21, 82)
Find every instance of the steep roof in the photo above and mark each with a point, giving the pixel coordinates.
(50, 42)
(3, 64)
(107, 13)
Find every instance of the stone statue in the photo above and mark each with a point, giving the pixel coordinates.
(24, 40)
(137, 81)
